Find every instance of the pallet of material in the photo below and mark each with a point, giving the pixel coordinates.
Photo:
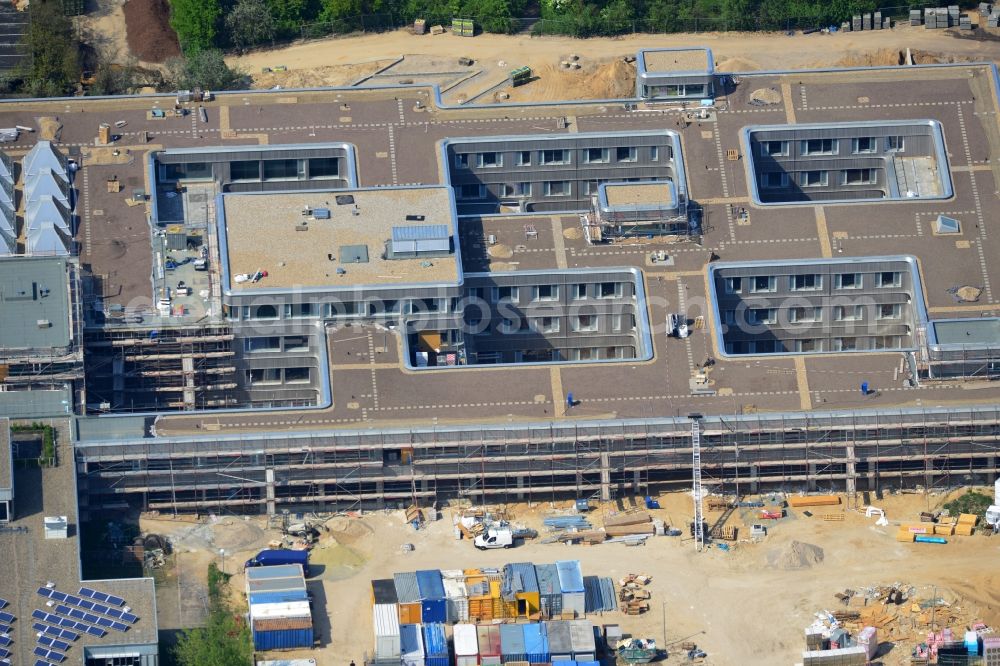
(631, 518)
(917, 529)
(727, 533)
(944, 530)
(814, 500)
(964, 530)
(968, 519)
(905, 536)
(628, 530)
(833, 516)
(588, 537)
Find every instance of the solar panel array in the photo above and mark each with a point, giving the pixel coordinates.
(92, 613)
(58, 632)
(50, 655)
(100, 596)
(5, 629)
(59, 621)
(96, 607)
(3, 603)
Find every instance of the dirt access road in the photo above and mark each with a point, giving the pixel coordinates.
(733, 51)
(747, 606)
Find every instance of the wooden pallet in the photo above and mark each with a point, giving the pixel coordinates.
(732, 154)
(839, 517)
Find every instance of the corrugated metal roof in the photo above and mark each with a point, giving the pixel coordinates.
(535, 640)
(275, 571)
(275, 585)
(288, 609)
(282, 623)
(411, 641)
(519, 577)
(570, 575)
(407, 590)
(385, 620)
(281, 596)
(420, 232)
(581, 634)
(384, 591)
(511, 639)
(548, 579)
(429, 584)
(466, 640)
(435, 640)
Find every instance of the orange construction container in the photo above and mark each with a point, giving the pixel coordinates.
(409, 613)
(814, 500)
(968, 519)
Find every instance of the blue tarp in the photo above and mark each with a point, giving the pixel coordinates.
(411, 643)
(570, 575)
(435, 644)
(430, 585)
(536, 643)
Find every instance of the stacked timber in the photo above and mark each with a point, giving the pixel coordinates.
(628, 524)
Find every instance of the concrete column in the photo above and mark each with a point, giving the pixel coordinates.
(636, 479)
(754, 479)
(520, 487)
(811, 483)
(991, 472)
(269, 480)
(605, 477)
(928, 473)
(852, 472)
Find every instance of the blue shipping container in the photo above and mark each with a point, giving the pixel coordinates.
(436, 645)
(434, 610)
(283, 639)
(512, 643)
(277, 597)
(430, 584)
(536, 643)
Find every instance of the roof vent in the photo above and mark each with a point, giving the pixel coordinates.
(321, 213)
(344, 199)
(56, 527)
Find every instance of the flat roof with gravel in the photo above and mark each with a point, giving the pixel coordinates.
(269, 232)
(677, 60)
(640, 194)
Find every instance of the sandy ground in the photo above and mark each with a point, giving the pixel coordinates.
(600, 57)
(743, 606)
(104, 30)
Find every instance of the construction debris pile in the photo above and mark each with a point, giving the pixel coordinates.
(896, 614)
(633, 594)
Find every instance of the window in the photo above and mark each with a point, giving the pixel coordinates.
(296, 343)
(774, 148)
(894, 143)
(885, 342)
(654, 153)
(848, 313)
(244, 170)
(625, 154)
(738, 347)
(554, 157)
(489, 160)
(764, 346)
(591, 186)
(858, 177)
(819, 147)
(804, 315)
(461, 161)
(889, 311)
(557, 188)
(762, 316)
(264, 376)
(813, 178)
(284, 169)
(616, 323)
(524, 158)
(472, 191)
(547, 324)
(579, 292)
(609, 290)
(596, 155)
(504, 293)
(864, 144)
(324, 167)
(734, 285)
(848, 281)
(585, 354)
(810, 282)
(773, 180)
(268, 344)
(763, 283)
(507, 190)
(585, 322)
(266, 312)
(523, 189)
(296, 375)
(806, 345)
(546, 292)
(889, 279)
(843, 344)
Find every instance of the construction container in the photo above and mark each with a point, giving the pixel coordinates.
(520, 76)
(968, 519)
(985, 8)
(536, 643)
(512, 643)
(411, 644)
(456, 594)
(964, 530)
(466, 643)
(866, 21)
(581, 633)
(384, 592)
(408, 594)
(435, 645)
(433, 604)
(574, 599)
(385, 621)
(560, 640)
(944, 530)
(549, 590)
(520, 589)
(488, 636)
(916, 17)
(282, 633)
(480, 603)
(856, 23)
(877, 21)
(814, 500)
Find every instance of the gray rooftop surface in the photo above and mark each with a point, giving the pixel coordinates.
(35, 404)
(31, 561)
(968, 332)
(34, 289)
(6, 480)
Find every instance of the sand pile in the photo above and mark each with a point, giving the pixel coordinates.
(328, 75)
(797, 555)
(765, 96)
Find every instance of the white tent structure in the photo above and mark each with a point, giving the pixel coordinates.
(46, 183)
(7, 244)
(45, 209)
(43, 157)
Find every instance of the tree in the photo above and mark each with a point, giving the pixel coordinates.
(195, 21)
(249, 23)
(54, 69)
(224, 640)
(206, 70)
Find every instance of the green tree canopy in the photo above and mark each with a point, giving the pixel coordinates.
(206, 70)
(195, 23)
(249, 23)
(51, 41)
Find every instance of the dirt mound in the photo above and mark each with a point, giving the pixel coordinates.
(349, 530)
(329, 75)
(610, 79)
(765, 96)
(147, 28)
(797, 555)
(877, 58)
(737, 65)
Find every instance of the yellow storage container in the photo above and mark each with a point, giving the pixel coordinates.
(944, 530)
(904, 536)
(409, 613)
